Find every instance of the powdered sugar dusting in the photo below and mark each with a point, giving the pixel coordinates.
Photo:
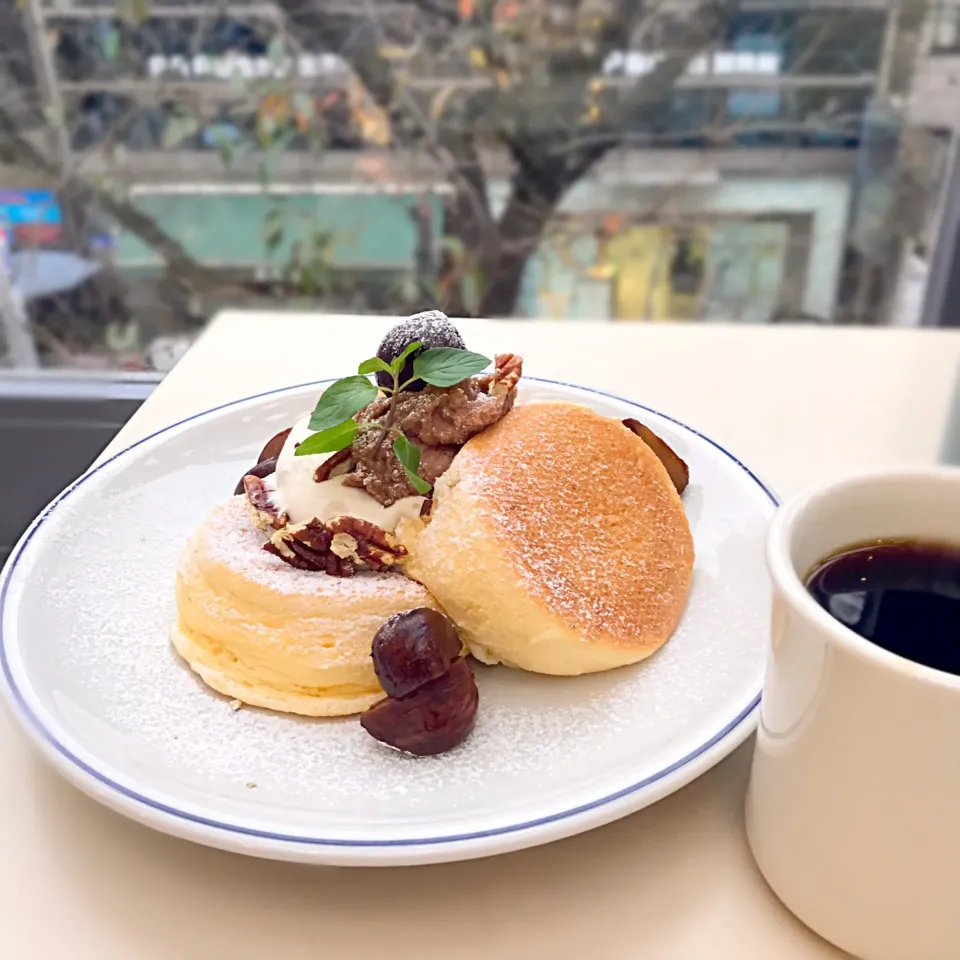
(92, 603)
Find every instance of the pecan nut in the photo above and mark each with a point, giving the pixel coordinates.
(338, 548)
(373, 547)
(508, 369)
(307, 546)
(325, 470)
(266, 515)
(305, 559)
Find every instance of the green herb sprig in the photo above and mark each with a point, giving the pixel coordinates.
(333, 417)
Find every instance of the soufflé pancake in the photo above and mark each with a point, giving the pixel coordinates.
(557, 543)
(273, 636)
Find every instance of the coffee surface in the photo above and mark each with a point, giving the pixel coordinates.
(903, 596)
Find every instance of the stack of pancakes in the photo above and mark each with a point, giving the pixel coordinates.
(557, 544)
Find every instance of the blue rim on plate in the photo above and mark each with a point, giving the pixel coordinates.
(27, 715)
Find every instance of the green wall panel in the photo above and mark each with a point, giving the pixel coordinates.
(375, 230)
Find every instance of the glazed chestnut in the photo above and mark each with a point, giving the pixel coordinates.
(678, 470)
(433, 719)
(274, 445)
(413, 648)
(263, 469)
(431, 328)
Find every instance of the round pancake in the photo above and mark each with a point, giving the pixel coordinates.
(557, 543)
(261, 631)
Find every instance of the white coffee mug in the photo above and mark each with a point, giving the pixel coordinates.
(853, 810)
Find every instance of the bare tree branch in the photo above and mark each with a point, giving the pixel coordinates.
(447, 12)
(19, 149)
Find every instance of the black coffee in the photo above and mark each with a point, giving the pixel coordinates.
(902, 596)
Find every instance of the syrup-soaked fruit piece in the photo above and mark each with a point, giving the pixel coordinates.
(412, 648)
(433, 719)
(274, 445)
(678, 470)
(431, 328)
(263, 469)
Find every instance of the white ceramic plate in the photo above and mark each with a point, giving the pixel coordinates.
(86, 603)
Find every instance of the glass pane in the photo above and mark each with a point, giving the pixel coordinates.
(769, 162)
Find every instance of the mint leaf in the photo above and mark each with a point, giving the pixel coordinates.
(341, 400)
(329, 441)
(397, 365)
(445, 366)
(373, 365)
(409, 457)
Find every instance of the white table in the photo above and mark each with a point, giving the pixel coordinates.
(672, 882)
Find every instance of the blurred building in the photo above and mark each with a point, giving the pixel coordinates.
(935, 91)
(929, 152)
(766, 188)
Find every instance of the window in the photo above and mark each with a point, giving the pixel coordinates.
(405, 152)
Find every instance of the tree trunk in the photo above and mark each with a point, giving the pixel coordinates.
(532, 203)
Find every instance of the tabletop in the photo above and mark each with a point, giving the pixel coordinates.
(674, 881)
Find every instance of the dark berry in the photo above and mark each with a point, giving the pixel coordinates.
(412, 648)
(433, 719)
(431, 328)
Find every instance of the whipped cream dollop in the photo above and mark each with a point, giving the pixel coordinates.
(303, 499)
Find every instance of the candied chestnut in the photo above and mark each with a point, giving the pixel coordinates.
(433, 719)
(263, 469)
(678, 470)
(431, 328)
(412, 648)
(274, 445)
